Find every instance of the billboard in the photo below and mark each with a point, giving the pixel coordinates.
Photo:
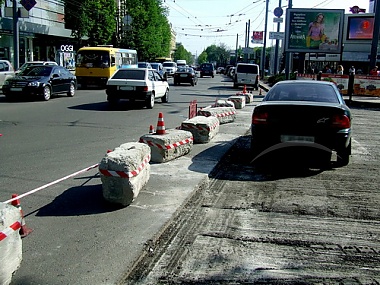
(360, 28)
(257, 37)
(313, 30)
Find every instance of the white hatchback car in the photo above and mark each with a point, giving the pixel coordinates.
(137, 84)
(6, 71)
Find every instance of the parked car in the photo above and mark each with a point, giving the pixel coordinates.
(6, 71)
(220, 70)
(137, 84)
(159, 67)
(246, 74)
(303, 113)
(31, 63)
(207, 69)
(185, 75)
(170, 67)
(144, 65)
(41, 81)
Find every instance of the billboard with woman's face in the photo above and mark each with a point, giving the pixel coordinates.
(313, 30)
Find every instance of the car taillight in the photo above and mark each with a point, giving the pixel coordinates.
(340, 121)
(259, 118)
(142, 88)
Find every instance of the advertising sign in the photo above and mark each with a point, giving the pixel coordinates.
(360, 28)
(257, 37)
(313, 30)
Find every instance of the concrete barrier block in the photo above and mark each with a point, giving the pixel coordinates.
(239, 101)
(174, 143)
(124, 172)
(224, 114)
(203, 128)
(10, 242)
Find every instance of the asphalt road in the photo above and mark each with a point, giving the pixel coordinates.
(78, 238)
(288, 223)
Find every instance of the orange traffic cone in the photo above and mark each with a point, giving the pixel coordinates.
(151, 129)
(245, 89)
(160, 125)
(24, 230)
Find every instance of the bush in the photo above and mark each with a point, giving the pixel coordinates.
(280, 77)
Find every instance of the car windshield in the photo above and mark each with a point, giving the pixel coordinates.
(207, 67)
(184, 69)
(36, 71)
(168, 64)
(303, 92)
(155, 65)
(142, 64)
(246, 68)
(129, 74)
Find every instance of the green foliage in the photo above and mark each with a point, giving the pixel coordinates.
(202, 58)
(94, 19)
(182, 53)
(149, 32)
(280, 77)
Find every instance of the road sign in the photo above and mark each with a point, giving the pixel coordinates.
(276, 35)
(278, 20)
(278, 12)
(28, 4)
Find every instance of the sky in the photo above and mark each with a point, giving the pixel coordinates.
(201, 23)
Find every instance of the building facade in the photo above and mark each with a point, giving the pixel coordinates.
(42, 33)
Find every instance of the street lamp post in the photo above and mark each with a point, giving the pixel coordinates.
(15, 35)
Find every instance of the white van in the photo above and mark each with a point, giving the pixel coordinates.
(247, 74)
(181, 62)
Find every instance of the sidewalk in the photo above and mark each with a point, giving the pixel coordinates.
(356, 100)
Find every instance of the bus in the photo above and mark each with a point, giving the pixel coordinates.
(95, 65)
(162, 59)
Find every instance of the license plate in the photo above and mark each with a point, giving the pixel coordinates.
(16, 89)
(183, 75)
(126, 88)
(289, 138)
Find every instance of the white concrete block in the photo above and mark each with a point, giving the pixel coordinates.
(203, 128)
(11, 245)
(174, 143)
(224, 114)
(124, 172)
(239, 101)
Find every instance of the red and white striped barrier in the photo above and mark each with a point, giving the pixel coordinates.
(170, 146)
(221, 115)
(198, 127)
(123, 174)
(9, 230)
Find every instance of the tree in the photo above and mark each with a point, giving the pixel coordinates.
(95, 19)
(149, 32)
(202, 58)
(219, 55)
(182, 53)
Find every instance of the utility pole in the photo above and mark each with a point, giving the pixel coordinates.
(16, 36)
(265, 41)
(375, 37)
(277, 44)
(288, 54)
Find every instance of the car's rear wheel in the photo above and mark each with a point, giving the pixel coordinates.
(71, 91)
(165, 98)
(343, 155)
(149, 103)
(46, 93)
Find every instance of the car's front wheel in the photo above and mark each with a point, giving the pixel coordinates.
(71, 91)
(112, 100)
(165, 98)
(46, 93)
(149, 103)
